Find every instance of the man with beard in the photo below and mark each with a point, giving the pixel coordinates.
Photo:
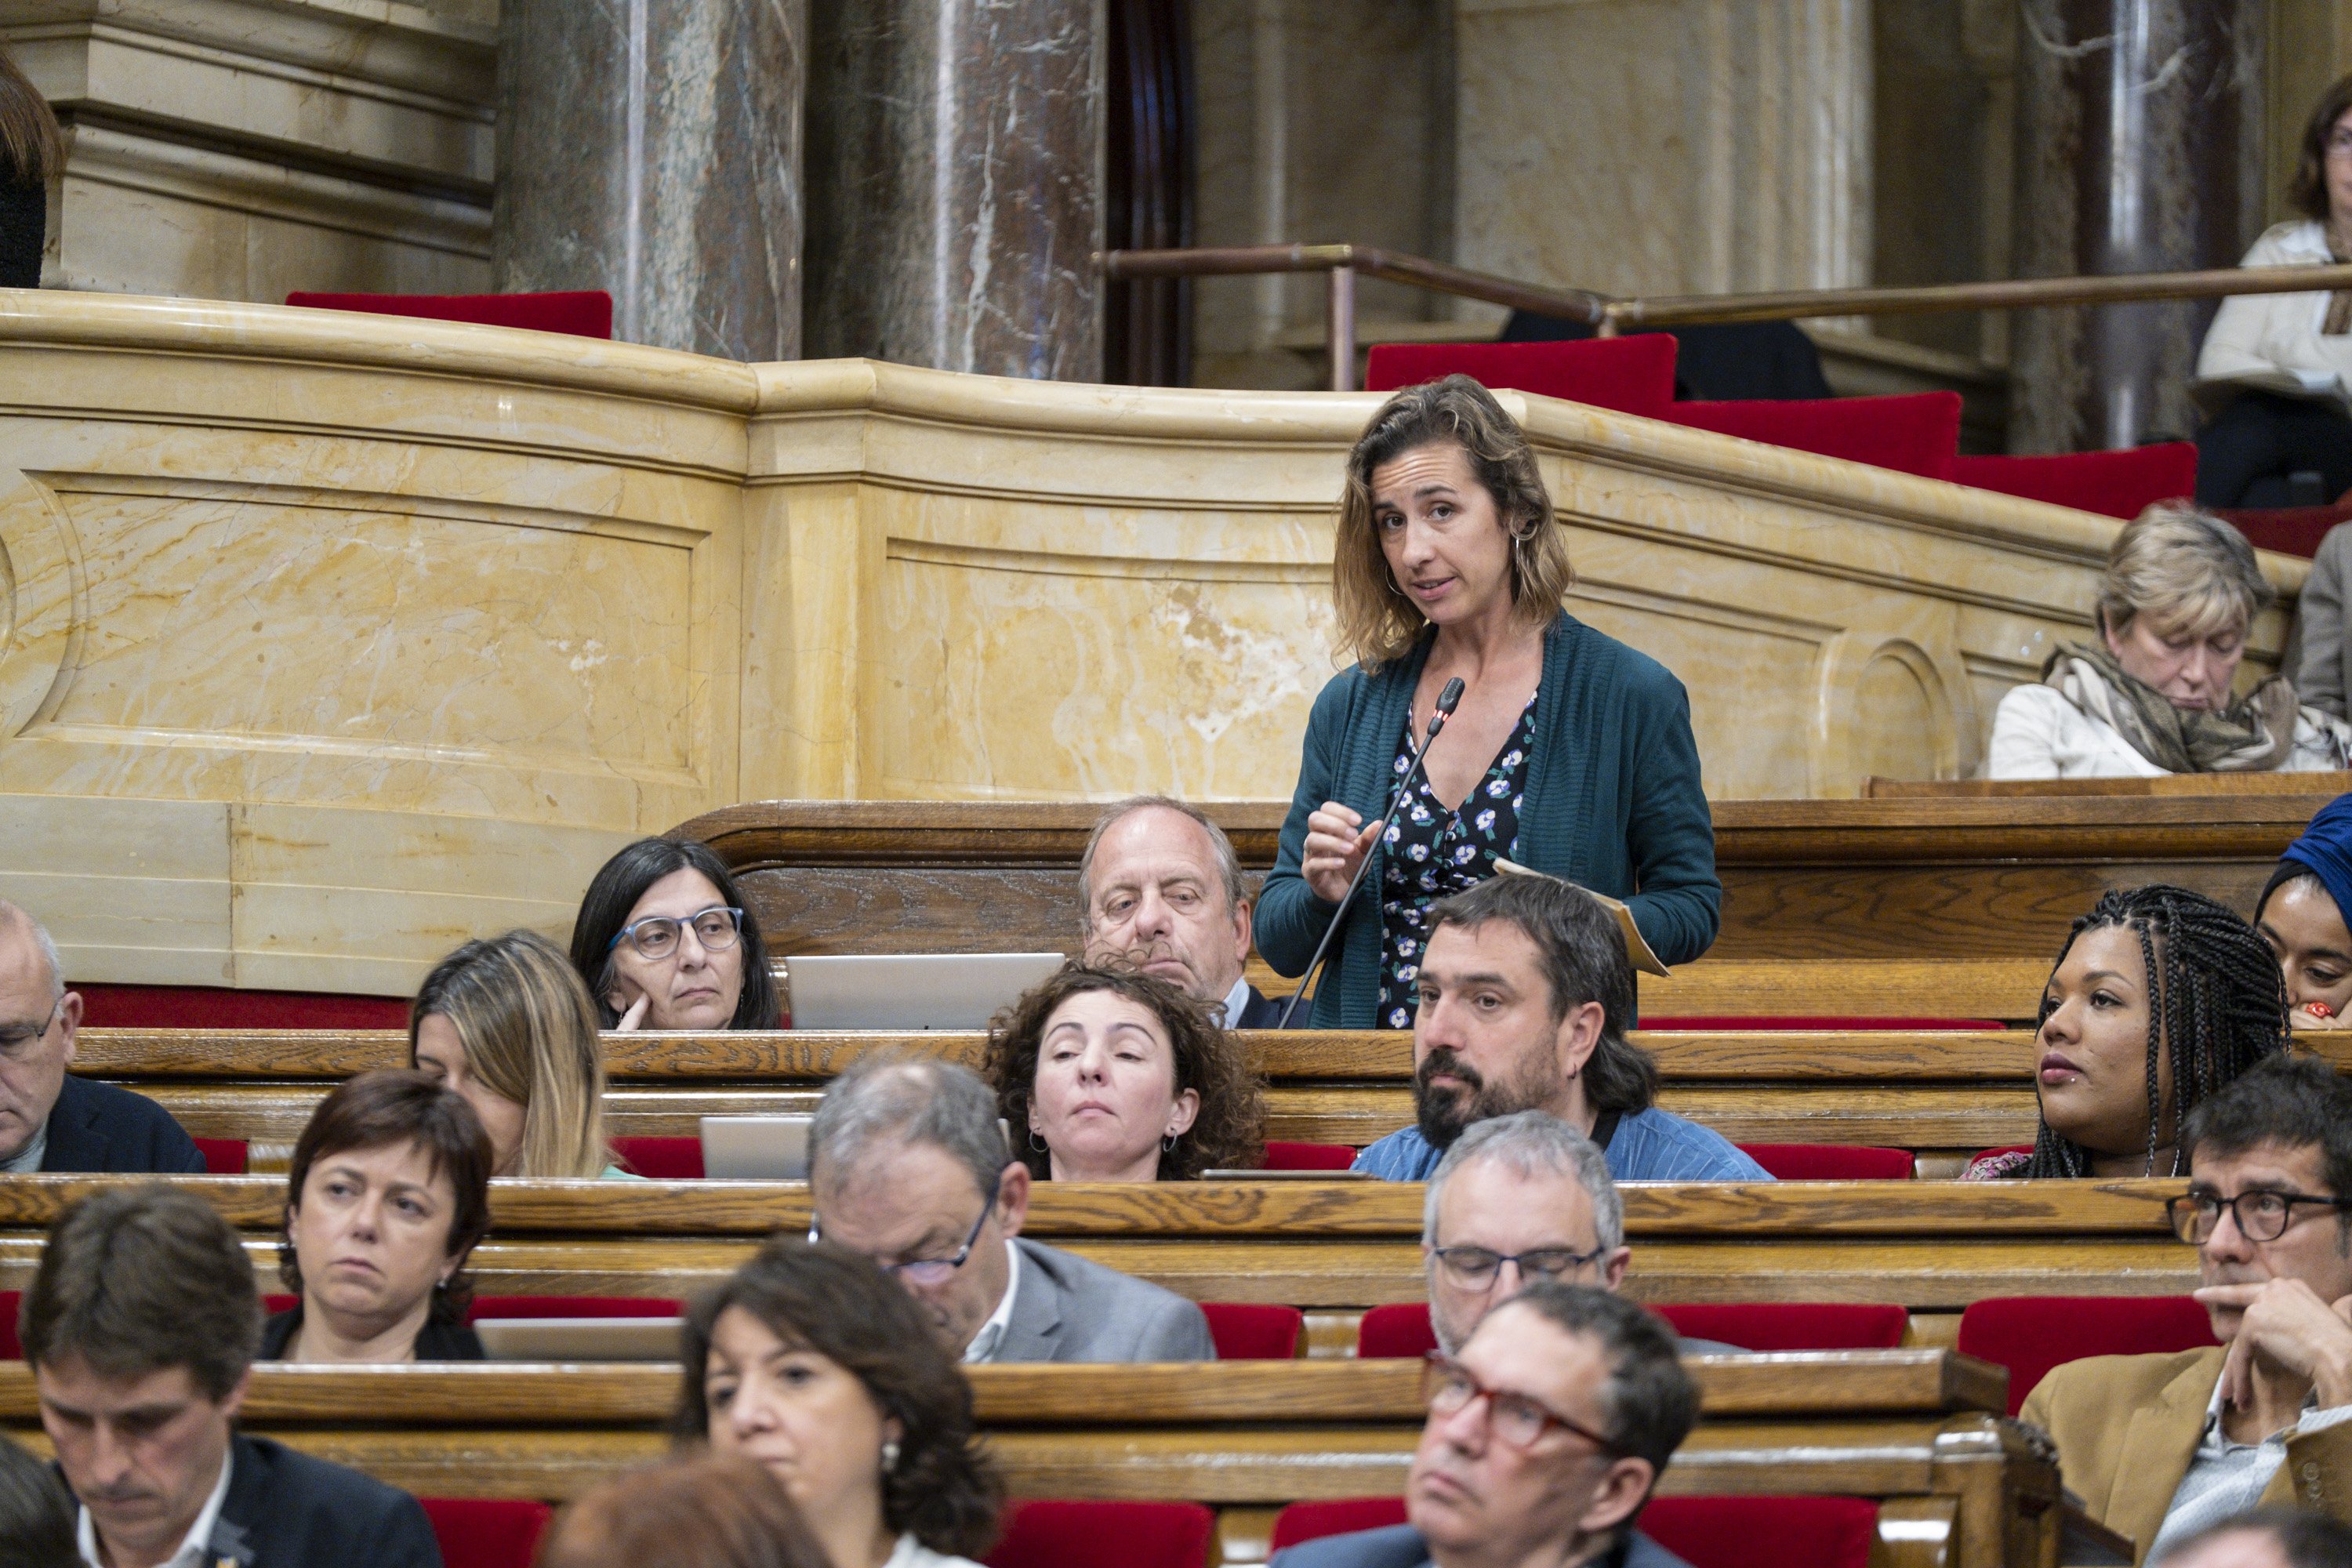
(2159, 1447)
(1163, 891)
(1525, 992)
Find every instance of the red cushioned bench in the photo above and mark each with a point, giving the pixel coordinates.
(1097, 1534)
(2031, 1334)
(1631, 375)
(1402, 1331)
(580, 313)
(2114, 484)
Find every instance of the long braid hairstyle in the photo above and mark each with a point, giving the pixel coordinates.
(2215, 997)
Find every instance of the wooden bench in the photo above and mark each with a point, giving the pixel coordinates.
(1918, 1430)
(1944, 1096)
(1887, 907)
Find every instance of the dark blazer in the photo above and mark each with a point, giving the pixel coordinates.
(285, 1509)
(1401, 1546)
(97, 1127)
(1260, 1012)
(435, 1341)
(1612, 804)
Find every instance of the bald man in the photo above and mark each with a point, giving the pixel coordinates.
(51, 1120)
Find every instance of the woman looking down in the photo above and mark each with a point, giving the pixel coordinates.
(2301, 916)
(1570, 753)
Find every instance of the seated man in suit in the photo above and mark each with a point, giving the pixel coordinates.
(908, 1164)
(49, 1120)
(1545, 1437)
(1525, 997)
(1163, 890)
(1518, 1199)
(140, 1328)
(2265, 1538)
(2158, 1446)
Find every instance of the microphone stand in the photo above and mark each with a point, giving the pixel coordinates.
(1447, 701)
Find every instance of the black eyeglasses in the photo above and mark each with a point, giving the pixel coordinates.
(932, 1270)
(16, 1040)
(1476, 1267)
(1447, 1388)
(2259, 1214)
(657, 936)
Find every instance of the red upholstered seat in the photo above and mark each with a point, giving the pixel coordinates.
(1308, 1157)
(1251, 1332)
(661, 1159)
(2114, 484)
(1766, 1326)
(11, 1347)
(2291, 530)
(574, 1307)
(1340, 1515)
(1631, 376)
(1057, 1535)
(1916, 433)
(216, 1007)
(1706, 1531)
(584, 313)
(1831, 1161)
(1879, 1026)
(223, 1156)
(1395, 1331)
(487, 1532)
(2031, 1334)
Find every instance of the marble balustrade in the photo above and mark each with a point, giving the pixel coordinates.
(329, 641)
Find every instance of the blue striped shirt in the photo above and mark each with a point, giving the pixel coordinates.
(1650, 1145)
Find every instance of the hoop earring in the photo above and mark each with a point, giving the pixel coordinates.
(1038, 1143)
(889, 1455)
(1168, 1145)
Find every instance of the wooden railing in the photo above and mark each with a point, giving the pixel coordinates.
(1607, 315)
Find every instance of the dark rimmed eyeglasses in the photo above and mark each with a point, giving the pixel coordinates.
(657, 936)
(1476, 1267)
(927, 1271)
(2260, 1215)
(1448, 1388)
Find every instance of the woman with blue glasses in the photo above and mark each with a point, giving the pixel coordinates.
(665, 942)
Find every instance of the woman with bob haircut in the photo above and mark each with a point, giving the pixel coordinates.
(1118, 1076)
(815, 1363)
(664, 942)
(387, 1195)
(1570, 753)
(2154, 693)
(699, 1512)
(506, 1025)
(2159, 999)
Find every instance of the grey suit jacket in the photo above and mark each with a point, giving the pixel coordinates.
(1067, 1308)
(1401, 1546)
(2317, 657)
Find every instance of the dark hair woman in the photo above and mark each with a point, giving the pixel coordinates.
(388, 1193)
(1116, 1075)
(814, 1361)
(1569, 753)
(2159, 998)
(706, 1511)
(32, 150)
(664, 942)
(2301, 916)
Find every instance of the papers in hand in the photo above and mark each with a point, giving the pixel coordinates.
(1637, 950)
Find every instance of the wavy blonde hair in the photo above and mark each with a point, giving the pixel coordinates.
(529, 1027)
(1377, 621)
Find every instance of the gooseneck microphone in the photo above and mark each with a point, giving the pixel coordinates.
(1447, 701)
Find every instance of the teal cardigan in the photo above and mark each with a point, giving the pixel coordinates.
(1612, 804)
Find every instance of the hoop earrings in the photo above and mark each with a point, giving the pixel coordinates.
(1168, 1145)
(1038, 1143)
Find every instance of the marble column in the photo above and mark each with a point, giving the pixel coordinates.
(2139, 149)
(652, 148)
(955, 166)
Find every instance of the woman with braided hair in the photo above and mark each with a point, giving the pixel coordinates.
(2160, 996)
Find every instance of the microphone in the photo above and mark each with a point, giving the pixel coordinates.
(1447, 701)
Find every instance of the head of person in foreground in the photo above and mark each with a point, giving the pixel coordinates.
(700, 1510)
(2264, 1538)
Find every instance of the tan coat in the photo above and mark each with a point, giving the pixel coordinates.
(2127, 1426)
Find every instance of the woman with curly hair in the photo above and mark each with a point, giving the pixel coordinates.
(1116, 1075)
(817, 1364)
(2160, 997)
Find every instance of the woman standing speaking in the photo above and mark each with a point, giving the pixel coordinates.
(1570, 752)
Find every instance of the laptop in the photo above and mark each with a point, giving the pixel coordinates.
(906, 991)
(755, 1148)
(579, 1338)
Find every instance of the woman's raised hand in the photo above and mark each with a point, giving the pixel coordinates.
(1338, 839)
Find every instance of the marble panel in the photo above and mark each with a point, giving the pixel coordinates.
(132, 889)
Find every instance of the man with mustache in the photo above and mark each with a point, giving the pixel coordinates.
(2159, 1447)
(140, 1328)
(1163, 891)
(1525, 993)
(1544, 1439)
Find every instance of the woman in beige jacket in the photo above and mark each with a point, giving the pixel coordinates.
(2277, 368)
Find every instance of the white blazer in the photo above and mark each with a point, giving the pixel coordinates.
(2272, 342)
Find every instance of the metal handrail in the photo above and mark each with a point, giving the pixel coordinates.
(1609, 315)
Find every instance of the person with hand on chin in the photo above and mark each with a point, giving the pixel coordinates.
(1568, 752)
(664, 941)
(2300, 915)
(1116, 1075)
(2159, 998)
(2159, 1447)
(1161, 889)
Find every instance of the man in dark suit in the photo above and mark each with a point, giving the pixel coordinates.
(140, 1328)
(1162, 890)
(1545, 1437)
(50, 1121)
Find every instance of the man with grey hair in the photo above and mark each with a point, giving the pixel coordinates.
(1517, 1199)
(1161, 889)
(51, 1120)
(908, 1164)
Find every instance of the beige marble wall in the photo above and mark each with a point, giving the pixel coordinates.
(327, 643)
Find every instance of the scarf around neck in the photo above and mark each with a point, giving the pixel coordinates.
(2253, 734)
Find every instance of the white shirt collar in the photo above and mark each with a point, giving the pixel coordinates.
(1237, 1002)
(192, 1547)
(991, 1338)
